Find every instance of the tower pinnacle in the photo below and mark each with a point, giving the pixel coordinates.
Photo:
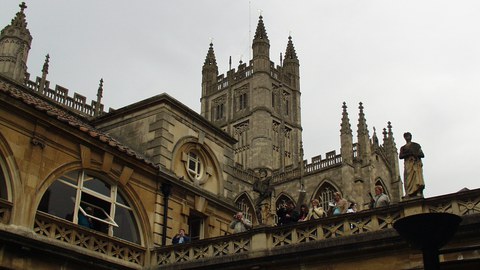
(15, 41)
(290, 53)
(345, 126)
(261, 33)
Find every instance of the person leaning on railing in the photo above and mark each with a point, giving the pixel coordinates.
(240, 223)
(316, 211)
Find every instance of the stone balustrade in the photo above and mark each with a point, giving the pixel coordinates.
(260, 241)
(67, 232)
(256, 243)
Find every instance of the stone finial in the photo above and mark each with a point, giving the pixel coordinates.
(99, 98)
(345, 125)
(22, 6)
(362, 122)
(260, 33)
(45, 64)
(210, 59)
(290, 53)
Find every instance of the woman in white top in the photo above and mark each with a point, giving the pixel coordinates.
(316, 211)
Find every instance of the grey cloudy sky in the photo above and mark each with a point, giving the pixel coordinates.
(415, 63)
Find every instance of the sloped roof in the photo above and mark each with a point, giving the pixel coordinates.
(42, 105)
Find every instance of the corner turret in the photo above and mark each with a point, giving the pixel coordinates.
(291, 66)
(209, 78)
(363, 139)
(346, 137)
(261, 48)
(15, 42)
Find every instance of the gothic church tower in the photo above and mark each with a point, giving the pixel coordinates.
(258, 104)
(15, 41)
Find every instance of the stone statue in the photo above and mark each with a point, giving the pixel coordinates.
(413, 168)
(265, 190)
(262, 186)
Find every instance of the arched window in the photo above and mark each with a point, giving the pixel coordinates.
(3, 181)
(325, 195)
(245, 205)
(379, 182)
(282, 201)
(87, 200)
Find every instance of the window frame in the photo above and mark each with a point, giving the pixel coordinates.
(104, 206)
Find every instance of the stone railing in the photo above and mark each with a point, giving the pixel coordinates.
(278, 178)
(244, 175)
(210, 248)
(264, 240)
(5, 210)
(64, 231)
(331, 160)
(77, 103)
(318, 164)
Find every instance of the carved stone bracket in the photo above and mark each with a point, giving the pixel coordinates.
(36, 141)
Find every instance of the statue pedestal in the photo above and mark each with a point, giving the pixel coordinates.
(268, 218)
(428, 232)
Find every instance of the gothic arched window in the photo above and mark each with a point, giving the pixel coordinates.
(3, 185)
(325, 195)
(245, 205)
(379, 182)
(4, 181)
(87, 200)
(283, 200)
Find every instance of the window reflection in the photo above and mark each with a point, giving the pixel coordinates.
(91, 202)
(3, 185)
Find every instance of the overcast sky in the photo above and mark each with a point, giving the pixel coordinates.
(414, 63)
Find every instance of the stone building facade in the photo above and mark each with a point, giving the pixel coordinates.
(140, 173)
(259, 105)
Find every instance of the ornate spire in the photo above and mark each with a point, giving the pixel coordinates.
(385, 138)
(98, 105)
(43, 81)
(260, 33)
(15, 41)
(45, 65)
(345, 125)
(210, 59)
(390, 139)
(375, 138)
(346, 137)
(362, 122)
(19, 20)
(290, 53)
(389, 126)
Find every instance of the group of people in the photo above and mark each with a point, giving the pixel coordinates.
(287, 214)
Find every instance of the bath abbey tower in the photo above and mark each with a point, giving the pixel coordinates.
(259, 105)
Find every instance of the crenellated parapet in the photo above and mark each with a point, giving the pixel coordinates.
(243, 73)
